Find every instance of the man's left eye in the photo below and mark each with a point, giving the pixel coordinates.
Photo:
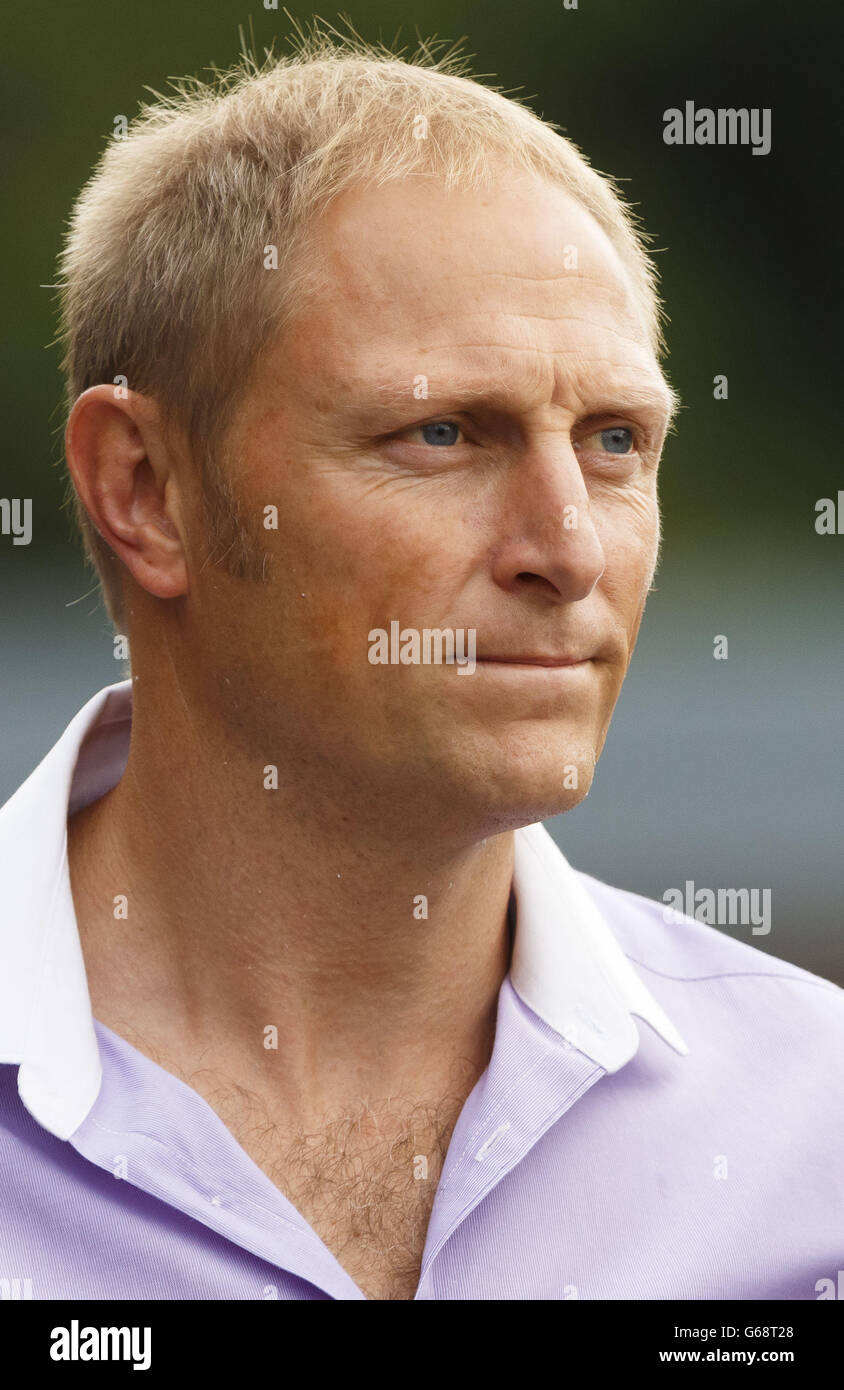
(618, 439)
(440, 432)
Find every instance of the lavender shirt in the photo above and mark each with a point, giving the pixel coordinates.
(661, 1117)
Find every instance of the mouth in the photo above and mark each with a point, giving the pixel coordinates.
(548, 662)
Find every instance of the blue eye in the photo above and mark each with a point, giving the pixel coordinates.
(441, 432)
(617, 440)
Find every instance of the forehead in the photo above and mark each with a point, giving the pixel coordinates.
(515, 281)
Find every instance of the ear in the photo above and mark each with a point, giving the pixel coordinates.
(123, 470)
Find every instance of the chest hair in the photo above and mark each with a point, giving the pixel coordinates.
(364, 1178)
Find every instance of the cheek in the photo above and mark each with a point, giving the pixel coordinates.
(376, 551)
(631, 545)
(341, 567)
(630, 533)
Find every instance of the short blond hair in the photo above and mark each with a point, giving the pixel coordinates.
(162, 273)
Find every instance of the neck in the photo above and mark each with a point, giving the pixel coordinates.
(377, 960)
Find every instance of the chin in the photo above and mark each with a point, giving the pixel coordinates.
(537, 804)
(515, 791)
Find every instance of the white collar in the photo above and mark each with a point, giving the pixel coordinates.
(567, 965)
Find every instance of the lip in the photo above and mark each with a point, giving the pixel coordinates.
(548, 662)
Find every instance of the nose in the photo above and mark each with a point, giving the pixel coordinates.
(548, 539)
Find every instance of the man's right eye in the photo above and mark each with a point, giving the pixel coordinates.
(440, 433)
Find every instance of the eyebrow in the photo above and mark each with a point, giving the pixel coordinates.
(397, 394)
(659, 400)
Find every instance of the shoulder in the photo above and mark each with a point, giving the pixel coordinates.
(712, 970)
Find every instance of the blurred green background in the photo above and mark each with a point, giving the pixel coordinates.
(727, 773)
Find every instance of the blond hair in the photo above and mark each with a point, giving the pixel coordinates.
(162, 273)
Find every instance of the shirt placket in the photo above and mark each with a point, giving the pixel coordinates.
(534, 1077)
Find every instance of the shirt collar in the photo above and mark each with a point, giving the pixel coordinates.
(566, 966)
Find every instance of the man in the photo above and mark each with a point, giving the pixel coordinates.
(363, 364)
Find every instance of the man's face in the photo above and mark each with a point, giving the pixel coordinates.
(518, 497)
